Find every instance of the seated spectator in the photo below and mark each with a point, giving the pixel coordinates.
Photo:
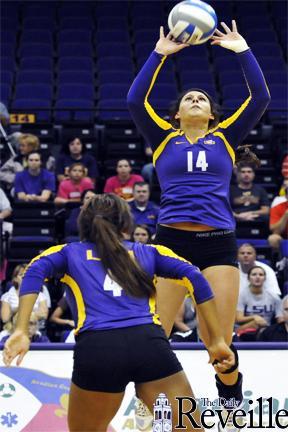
(27, 144)
(185, 324)
(122, 183)
(141, 234)
(34, 183)
(257, 307)
(71, 227)
(34, 333)
(143, 210)
(279, 220)
(62, 317)
(5, 212)
(72, 151)
(247, 260)
(70, 189)
(10, 299)
(276, 332)
(249, 202)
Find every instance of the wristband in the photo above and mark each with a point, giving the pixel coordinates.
(237, 46)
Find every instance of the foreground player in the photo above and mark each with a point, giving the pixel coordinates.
(118, 335)
(194, 156)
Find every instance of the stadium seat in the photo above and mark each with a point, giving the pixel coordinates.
(77, 23)
(38, 23)
(74, 36)
(73, 49)
(110, 36)
(108, 50)
(34, 91)
(74, 110)
(113, 109)
(41, 36)
(75, 77)
(35, 77)
(75, 63)
(41, 63)
(115, 63)
(76, 91)
(108, 77)
(35, 49)
(40, 107)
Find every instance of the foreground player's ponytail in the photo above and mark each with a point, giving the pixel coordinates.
(102, 221)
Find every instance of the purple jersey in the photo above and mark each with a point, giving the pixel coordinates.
(96, 301)
(195, 177)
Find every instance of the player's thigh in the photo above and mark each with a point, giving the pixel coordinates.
(169, 298)
(224, 281)
(176, 385)
(91, 410)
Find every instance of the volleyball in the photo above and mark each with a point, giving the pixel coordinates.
(192, 22)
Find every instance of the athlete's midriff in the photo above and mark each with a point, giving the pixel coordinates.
(189, 226)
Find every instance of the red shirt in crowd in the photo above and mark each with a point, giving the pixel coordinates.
(69, 190)
(124, 190)
(279, 207)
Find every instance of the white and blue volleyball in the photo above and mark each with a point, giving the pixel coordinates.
(192, 22)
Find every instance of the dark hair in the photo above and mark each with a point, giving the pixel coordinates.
(83, 194)
(252, 268)
(65, 146)
(34, 152)
(174, 108)
(245, 157)
(141, 183)
(76, 164)
(102, 221)
(144, 227)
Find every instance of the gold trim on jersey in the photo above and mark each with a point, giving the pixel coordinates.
(47, 252)
(226, 123)
(163, 124)
(152, 308)
(227, 145)
(163, 144)
(68, 280)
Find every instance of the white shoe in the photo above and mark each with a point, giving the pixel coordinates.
(229, 424)
(143, 417)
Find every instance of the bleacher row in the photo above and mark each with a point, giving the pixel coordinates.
(76, 60)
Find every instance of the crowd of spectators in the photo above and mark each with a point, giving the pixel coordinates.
(32, 176)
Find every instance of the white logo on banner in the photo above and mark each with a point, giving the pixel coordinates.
(17, 405)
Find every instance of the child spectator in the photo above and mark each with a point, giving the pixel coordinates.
(141, 234)
(70, 189)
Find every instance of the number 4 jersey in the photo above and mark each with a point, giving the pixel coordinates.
(96, 301)
(195, 177)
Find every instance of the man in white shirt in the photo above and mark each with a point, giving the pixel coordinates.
(247, 260)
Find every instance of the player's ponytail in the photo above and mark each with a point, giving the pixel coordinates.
(244, 155)
(102, 221)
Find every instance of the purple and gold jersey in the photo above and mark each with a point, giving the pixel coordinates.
(96, 301)
(195, 177)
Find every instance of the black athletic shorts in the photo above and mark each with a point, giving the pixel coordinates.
(107, 360)
(202, 248)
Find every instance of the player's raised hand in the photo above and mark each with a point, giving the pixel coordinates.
(231, 39)
(16, 346)
(167, 45)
